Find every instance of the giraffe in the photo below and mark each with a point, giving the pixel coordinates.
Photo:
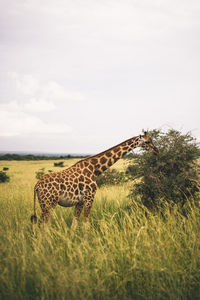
(76, 185)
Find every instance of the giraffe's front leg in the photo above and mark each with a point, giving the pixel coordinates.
(77, 212)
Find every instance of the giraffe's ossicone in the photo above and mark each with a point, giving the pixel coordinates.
(76, 186)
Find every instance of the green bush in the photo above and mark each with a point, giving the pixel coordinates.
(171, 176)
(59, 164)
(40, 173)
(4, 177)
(111, 177)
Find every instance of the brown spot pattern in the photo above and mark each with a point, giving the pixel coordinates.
(78, 182)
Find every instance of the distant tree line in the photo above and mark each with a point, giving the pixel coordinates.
(35, 157)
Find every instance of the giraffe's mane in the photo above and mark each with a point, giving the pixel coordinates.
(103, 152)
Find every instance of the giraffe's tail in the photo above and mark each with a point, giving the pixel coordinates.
(34, 216)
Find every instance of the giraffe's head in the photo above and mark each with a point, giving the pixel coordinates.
(146, 143)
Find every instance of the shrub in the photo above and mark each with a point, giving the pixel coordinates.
(4, 177)
(5, 169)
(171, 176)
(111, 177)
(59, 164)
(40, 173)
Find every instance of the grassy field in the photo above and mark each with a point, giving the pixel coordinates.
(129, 253)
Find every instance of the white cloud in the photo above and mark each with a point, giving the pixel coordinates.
(32, 90)
(26, 84)
(53, 90)
(32, 105)
(38, 105)
(23, 124)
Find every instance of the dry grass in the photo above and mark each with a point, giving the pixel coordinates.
(128, 253)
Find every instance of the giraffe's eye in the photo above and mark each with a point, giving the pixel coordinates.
(147, 142)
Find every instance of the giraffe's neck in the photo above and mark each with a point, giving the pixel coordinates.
(97, 164)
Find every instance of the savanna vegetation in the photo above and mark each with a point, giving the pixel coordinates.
(171, 177)
(4, 177)
(130, 252)
(25, 157)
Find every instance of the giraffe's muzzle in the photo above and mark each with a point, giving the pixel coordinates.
(155, 150)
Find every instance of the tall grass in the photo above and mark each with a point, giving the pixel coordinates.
(128, 252)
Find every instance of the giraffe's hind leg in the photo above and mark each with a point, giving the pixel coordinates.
(47, 206)
(44, 218)
(77, 212)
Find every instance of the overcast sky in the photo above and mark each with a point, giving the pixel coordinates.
(79, 76)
